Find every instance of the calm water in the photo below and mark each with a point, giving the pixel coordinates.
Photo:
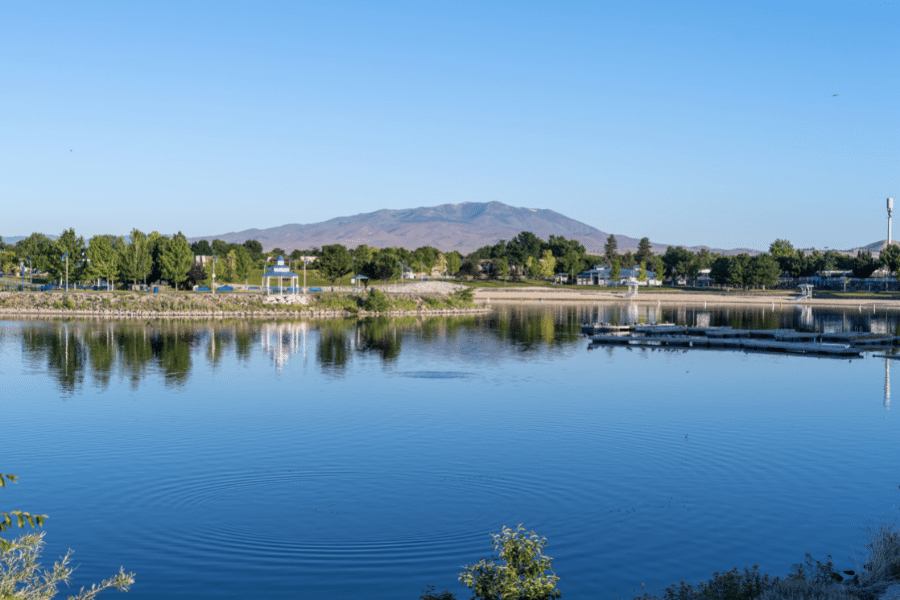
(345, 460)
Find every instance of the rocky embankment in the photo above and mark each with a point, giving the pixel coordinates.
(433, 300)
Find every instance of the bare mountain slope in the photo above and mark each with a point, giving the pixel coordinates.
(463, 227)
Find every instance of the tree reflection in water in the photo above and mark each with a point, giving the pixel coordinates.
(333, 347)
(70, 349)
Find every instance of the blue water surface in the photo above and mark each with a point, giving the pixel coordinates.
(350, 460)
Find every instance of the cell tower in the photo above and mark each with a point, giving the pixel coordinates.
(890, 207)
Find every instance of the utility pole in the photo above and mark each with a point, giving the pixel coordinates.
(215, 260)
(66, 256)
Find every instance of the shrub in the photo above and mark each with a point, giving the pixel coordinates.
(521, 572)
(795, 588)
(377, 301)
(432, 302)
(882, 567)
(405, 304)
(732, 585)
(430, 594)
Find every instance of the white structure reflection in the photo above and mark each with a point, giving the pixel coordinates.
(887, 383)
(282, 340)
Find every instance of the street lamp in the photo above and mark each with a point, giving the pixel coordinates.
(66, 256)
(215, 260)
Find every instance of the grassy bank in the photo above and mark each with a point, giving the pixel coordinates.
(188, 303)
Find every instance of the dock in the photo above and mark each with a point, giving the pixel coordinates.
(789, 341)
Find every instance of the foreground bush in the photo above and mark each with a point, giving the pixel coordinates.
(812, 580)
(520, 572)
(21, 574)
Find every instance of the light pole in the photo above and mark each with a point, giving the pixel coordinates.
(22, 265)
(215, 260)
(30, 274)
(66, 256)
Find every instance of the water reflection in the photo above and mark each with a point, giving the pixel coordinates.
(281, 340)
(72, 350)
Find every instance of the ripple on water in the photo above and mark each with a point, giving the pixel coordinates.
(307, 516)
(435, 374)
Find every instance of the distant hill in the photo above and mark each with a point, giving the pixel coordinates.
(14, 239)
(463, 227)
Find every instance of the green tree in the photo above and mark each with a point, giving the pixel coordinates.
(468, 269)
(104, 260)
(242, 264)
(615, 271)
(530, 270)
(201, 248)
(71, 244)
(781, 248)
(135, 260)
(502, 266)
(177, 259)
(384, 266)
(523, 246)
(546, 267)
(864, 265)
(642, 273)
(37, 247)
(362, 254)
(156, 245)
(611, 248)
(678, 261)
(221, 248)
(657, 265)
(764, 270)
(644, 251)
(890, 257)
(334, 262)
(427, 256)
(254, 248)
(522, 573)
(8, 260)
(454, 262)
(720, 269)
(739, 270)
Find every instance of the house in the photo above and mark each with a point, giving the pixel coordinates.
(600, 275)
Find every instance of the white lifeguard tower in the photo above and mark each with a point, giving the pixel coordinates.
(281, 272)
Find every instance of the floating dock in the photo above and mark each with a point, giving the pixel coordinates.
(762, 340)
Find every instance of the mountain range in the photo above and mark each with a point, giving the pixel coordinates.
(463, 227)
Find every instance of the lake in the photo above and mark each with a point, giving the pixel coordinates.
(336, 459)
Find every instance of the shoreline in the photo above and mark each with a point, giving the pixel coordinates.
(231, 314)
(671, 297)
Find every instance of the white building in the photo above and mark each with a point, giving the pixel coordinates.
(600, 275)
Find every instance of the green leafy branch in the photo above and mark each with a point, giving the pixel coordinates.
(6, 518)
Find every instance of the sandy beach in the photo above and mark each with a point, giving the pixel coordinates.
(673, 296)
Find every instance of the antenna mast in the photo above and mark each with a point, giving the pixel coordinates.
(890, 207)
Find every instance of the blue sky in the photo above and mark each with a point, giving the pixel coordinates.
(689, 122)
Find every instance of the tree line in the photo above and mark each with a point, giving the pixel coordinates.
(139, 258)
(154, 257)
